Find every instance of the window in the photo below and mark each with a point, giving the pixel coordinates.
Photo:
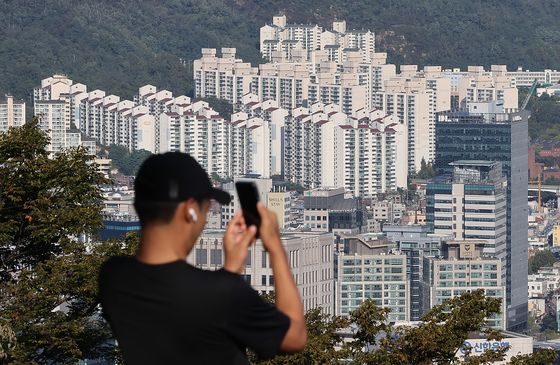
(263, 258)
(263, 280)
(248, 259)
(215, 256)
(201, 256)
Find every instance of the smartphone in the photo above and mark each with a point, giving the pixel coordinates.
(248, 195)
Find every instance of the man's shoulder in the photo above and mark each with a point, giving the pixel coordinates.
(115, 263)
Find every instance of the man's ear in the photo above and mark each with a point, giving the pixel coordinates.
(190, 210)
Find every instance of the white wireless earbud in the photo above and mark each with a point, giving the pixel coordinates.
(194, 217)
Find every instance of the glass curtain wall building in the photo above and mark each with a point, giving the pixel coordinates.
(499, 137)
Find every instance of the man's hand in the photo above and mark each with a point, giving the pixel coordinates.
(268, 230)
(237, 240)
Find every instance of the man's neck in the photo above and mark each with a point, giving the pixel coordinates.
(163, 244)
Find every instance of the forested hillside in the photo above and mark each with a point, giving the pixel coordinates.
(118, 45)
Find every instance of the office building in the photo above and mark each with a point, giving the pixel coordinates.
(471, 204)
(525, 78)
(368, 269)
(500, 137)
(416, 242)
(333, 210)
(463, 268)
(310, 257)
(12, 113)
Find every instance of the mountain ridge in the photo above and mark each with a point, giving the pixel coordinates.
(120, 45)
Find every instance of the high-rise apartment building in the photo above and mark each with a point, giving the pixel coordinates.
(52, 119)
(281, 41)
(365, 152)
(155, 121)
(290, 84)
(199, 131)
(259, 136)
(502, 137)
(310, 256)
(12, 113)
(462, 268)
(414, 97)
(481, 87)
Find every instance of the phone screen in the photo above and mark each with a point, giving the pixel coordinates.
(248, 195)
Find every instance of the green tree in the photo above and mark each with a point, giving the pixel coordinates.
(127, 162)
(437, 339)
(323, 337)
(223, 107)
(541, 259)
(49, 278)
(426, 170)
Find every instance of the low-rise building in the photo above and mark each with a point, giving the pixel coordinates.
(463, 268)
(310, 257)
(369, 269)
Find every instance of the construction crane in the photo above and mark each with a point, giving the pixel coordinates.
(531, 91)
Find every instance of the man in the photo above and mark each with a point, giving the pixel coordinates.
(163, 310)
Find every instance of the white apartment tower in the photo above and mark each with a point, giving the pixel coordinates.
(12, 113)
(479, 86)
(281, 41)
(199, 131)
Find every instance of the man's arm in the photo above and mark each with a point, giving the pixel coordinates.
(288, 300)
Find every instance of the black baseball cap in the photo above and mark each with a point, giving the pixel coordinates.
(174, 177)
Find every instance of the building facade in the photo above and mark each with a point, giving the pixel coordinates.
(368, 271)
(416, 242)
(463, 268)
(12, 113)
(310, 257)
(501, 137)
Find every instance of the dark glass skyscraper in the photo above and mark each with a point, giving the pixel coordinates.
(495, 137)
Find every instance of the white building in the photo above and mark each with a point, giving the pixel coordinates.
(281, 41)
(199, 131)
(463, 268)
(370, 271)
(364, 152)
(155, 121)
(310, 257)
(12, 113)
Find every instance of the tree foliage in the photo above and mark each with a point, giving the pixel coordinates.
(541, 259)
(544, 123)
(426, 170)
(49, 278)
(437, 339)
(125, 161)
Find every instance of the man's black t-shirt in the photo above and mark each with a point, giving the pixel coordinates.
(175, 313)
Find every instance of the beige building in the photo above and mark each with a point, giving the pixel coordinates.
(479, 86)
(12, 113)
(310, 257)
(463, 268)
(281, 41)
(279, 203)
